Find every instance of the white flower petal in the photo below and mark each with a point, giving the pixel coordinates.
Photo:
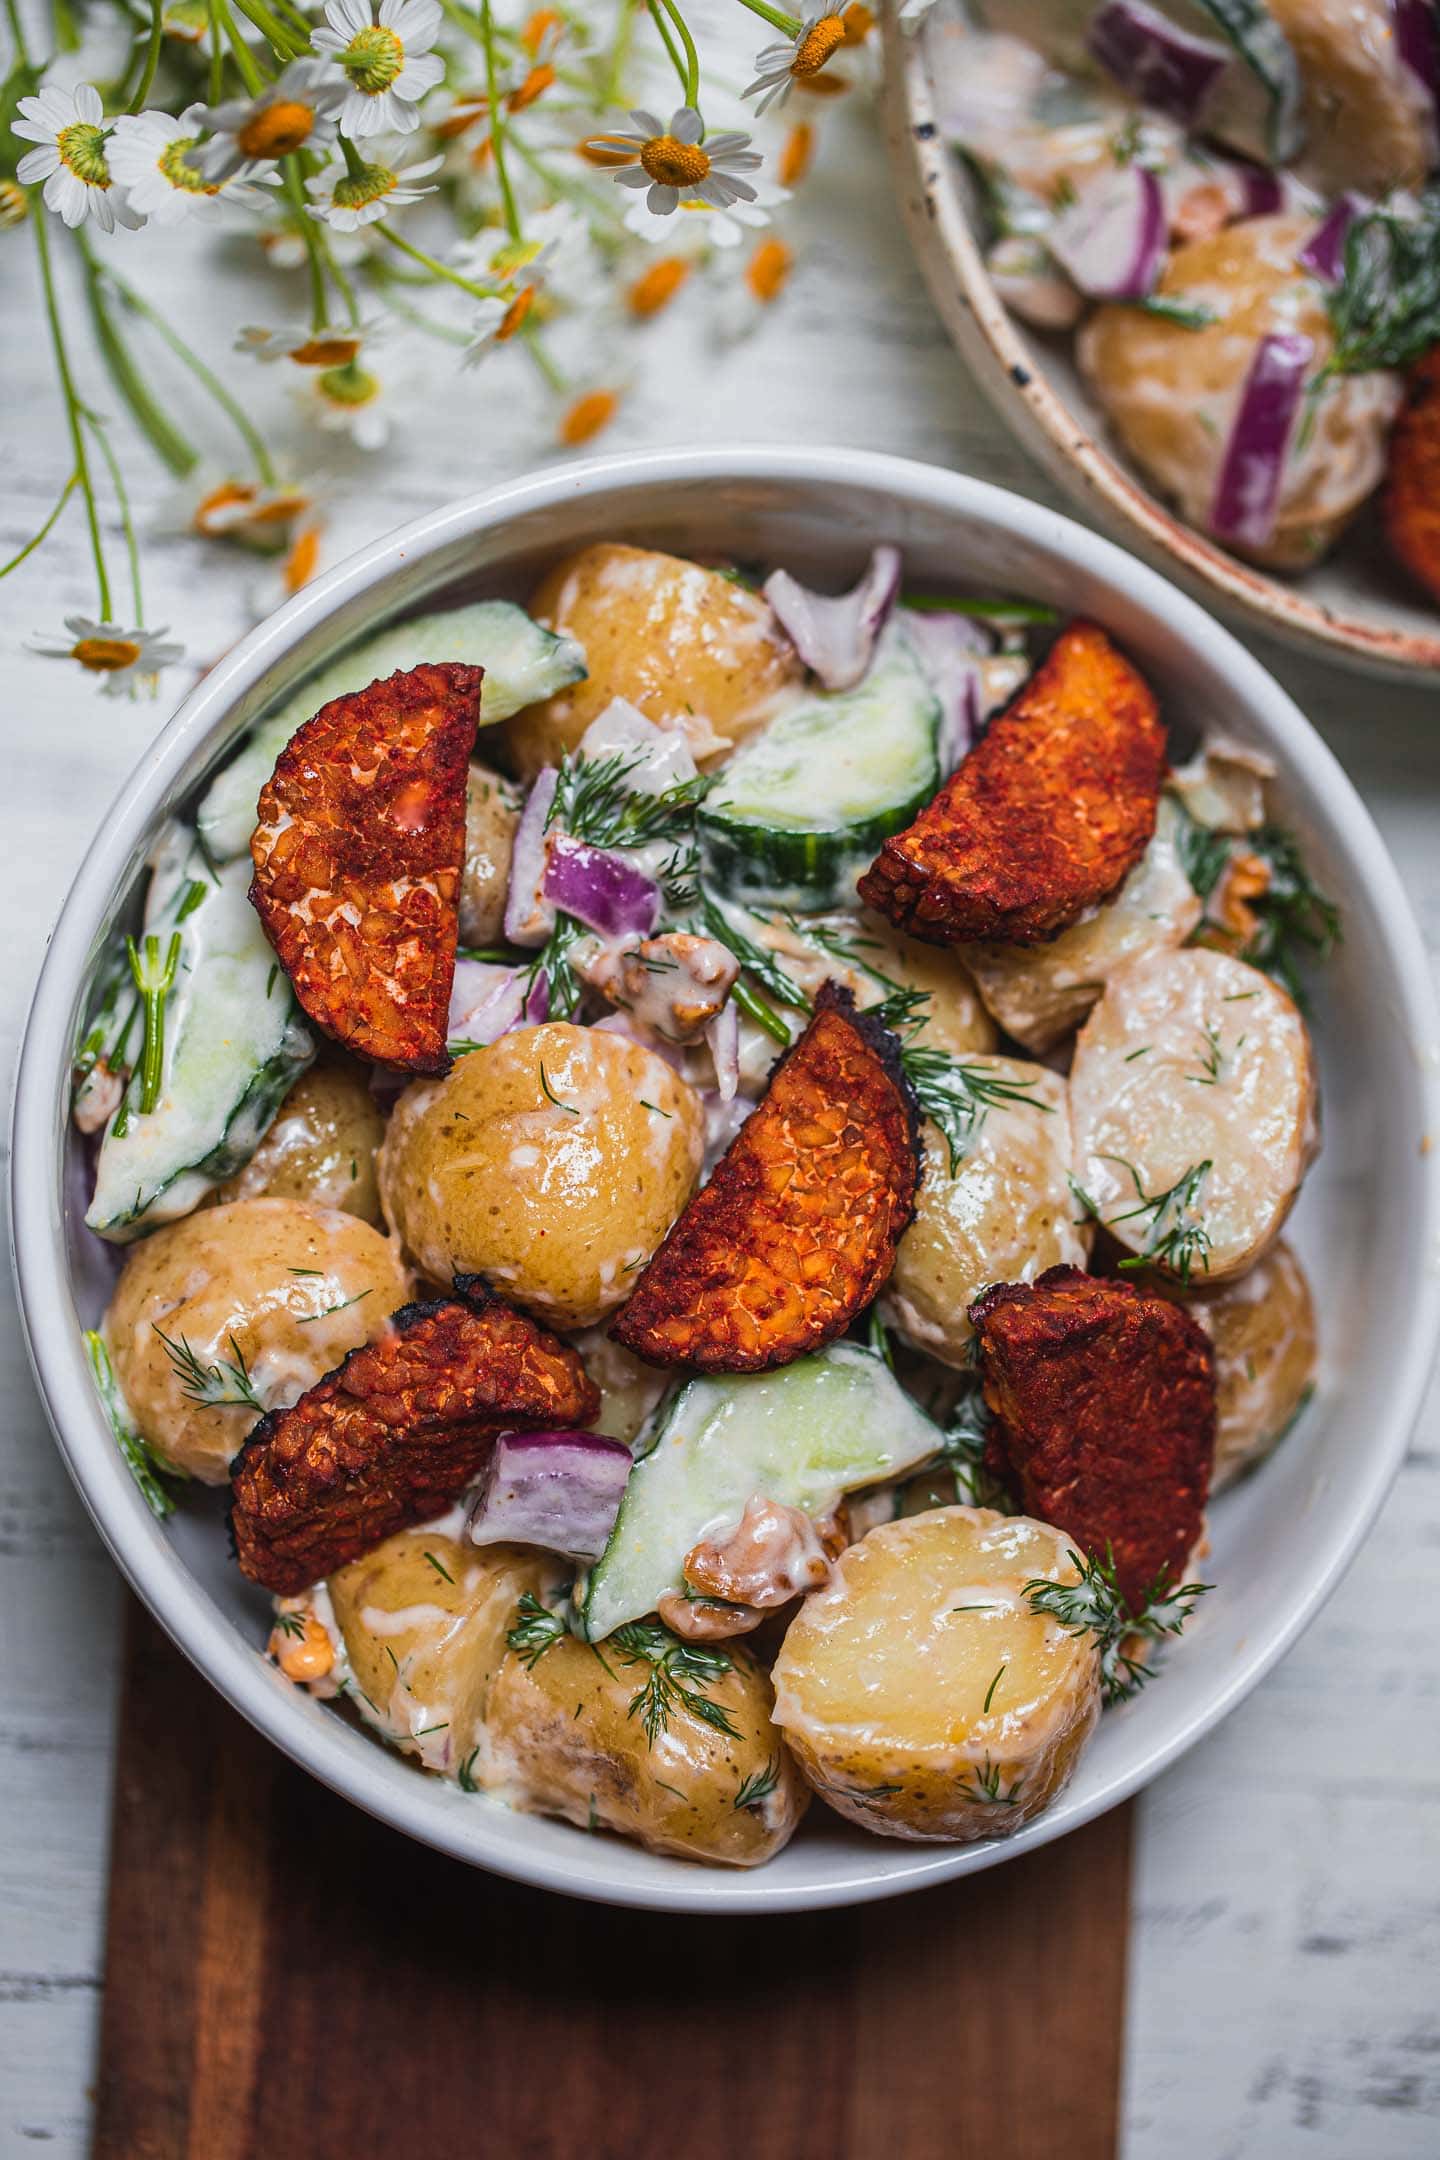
(88, 106)
(663, 200)
(631, 176)
(686, 125)
(37, 164)
(647, 123)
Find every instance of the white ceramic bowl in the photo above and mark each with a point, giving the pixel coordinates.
(1357, 606)
(1368, 1222)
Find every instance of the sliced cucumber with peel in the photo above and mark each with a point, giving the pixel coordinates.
(823, 1426)
(523, 663)
(800, 810)
(234, 1043)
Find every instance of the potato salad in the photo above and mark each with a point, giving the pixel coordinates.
(705, 1164)
(1232, 207)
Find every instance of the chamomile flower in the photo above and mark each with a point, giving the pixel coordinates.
(150, 158)
(331, 346)
(14, 204)
(495, 322)
(72, 160)
(386, 59)
(672, 163)
(125, 658)
(347, 200)
(293, 113)
(780, 67)
(247, 513)
(347, 401)
(700, 227)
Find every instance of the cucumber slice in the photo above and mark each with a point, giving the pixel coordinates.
(522, 661)
(234, 1042)
(800, 810)
(802, 1436)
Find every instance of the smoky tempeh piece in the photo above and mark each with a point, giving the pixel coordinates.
(1103, 1396)
(1412, 488)
(394, 1435)
(1047, 815)
(358, 856)
(796, 1231)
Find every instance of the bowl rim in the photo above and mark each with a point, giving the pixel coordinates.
(1021, 393)
(178, 1600)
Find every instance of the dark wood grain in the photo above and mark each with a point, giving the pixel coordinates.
(286, 1977)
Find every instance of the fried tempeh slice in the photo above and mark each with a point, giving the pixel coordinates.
(1104, 1402)
(1412, 490)
(394, 1435)
(358, 856)
(796, 1230)
(1047, 815)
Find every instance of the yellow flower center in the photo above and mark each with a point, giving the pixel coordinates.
(767, 270)
(795, 155)
(366, 186)
(373, 59)
(277, 129)
(349, 385)
(539, 27)
(180, 175)
(328, 349)
(658, 285)
(857, 22)
(105, 656)
(536, 83)
(515, 314)
(300, 562)
(82, 148)
(674, 164)
(14, 203)
(188, 21)
(590, 412)
(823, 41)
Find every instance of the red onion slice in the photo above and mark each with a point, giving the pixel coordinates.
(529, 916)
(600, 889)
(486, 1001)
(1158, 63)
(1324, 252)
(560, 1490)
(1248, 489)
(1261, 193)
(1111, 242)
(949, 649)
(1417, 40)
(835, 635)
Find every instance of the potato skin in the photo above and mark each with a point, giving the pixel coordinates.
(1262, 1332)
(320, 1148)
(552, 1163)
(269, 1274)
(686, 646)
(1007, 1214)
(492, 812)
(869, 1699)
(555, 1737)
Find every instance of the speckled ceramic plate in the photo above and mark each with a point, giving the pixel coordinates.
(1353, 608)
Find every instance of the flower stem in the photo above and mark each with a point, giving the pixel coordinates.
(246, 64)
(154, 423)
(217, 55)
(438, 269)
(17, 32)
(39, 221)
(117, 481)
(551, 373)
(690, 76)
(774, 17)
(209, 381)
(294, 189)
(152, 57)
(497, 122)
(672, 49)
(282, 42)
(45, 530)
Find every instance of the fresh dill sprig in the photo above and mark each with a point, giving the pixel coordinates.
(962, 1451)
(957, 1096)
(1294, 918)
(1185, 314)
(344, 1304)
(1385, 306)
(225, 1385)
(1204, 853)
(594, 803)
(1175, 1235)
(563, 986)
(154, 978)
(679, 1672)
(534, 1630)
(291, 1624)
(1096, 1606)
(754, 959)
(989, 1777)
(139, 1461)
(754, 1790)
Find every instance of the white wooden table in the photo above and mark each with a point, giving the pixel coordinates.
(1287, 1933)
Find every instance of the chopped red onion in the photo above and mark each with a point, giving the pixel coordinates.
(1324, 252)
(537, 1004)
(1157, 62)
(560, 1490)
(723, 1035)
(949, 649)
(1248, 489)
(486, 1001)
(1112, 241)
(600, 889)
(1417, 40)
(657, 758)
(835, 636)
(529, 915)
(1261, 193)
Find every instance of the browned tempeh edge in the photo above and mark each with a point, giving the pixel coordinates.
(287, 1979)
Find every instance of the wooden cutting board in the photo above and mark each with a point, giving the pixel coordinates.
(288, 1980)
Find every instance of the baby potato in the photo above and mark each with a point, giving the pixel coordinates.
(1369, 120)
(1193, 1101)
(424, 1623)
(1262, 1328)
(1005, 1215)
(1038, 993)
(689, 648)
(857, 948)
(492, 812)
(278, 1289)
(552, 1162)
(1171, 393)
(924, 1697)
(321, 1146)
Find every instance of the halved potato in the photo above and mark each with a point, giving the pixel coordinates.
(492, 812)
(320, 1148)
(1005, 1215)
(1262, 1329)
(924, 1697)
(1193, 1101)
